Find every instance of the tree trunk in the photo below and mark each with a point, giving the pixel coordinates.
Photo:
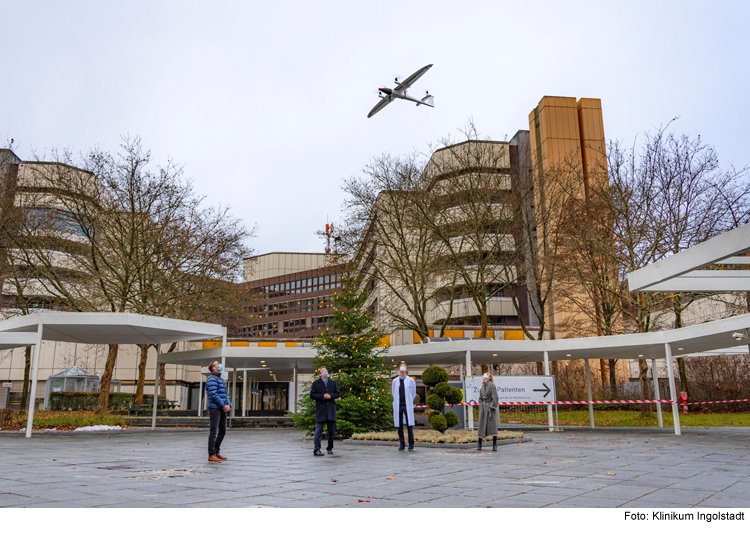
(613, 376)
(162, 380)
(645, 388)
(540, 368)
(484, 321)
(105, 384)
(603, 371)
(683, 376)
(553, 368)
(26, 374)
(141, 374)
(678, 308)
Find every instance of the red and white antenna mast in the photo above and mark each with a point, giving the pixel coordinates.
(331, 239)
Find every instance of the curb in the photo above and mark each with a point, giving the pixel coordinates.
(436, 445)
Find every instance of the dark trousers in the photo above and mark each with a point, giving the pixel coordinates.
(403, 417)
(331, 425)
(217, 419)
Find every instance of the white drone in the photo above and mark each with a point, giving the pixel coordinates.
(399, 92)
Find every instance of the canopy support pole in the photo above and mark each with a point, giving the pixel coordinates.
(223, 345)
(34, 378)
(293, 405)
(234, 390)
(156, 387)
(200, 393)
(588, 392)
(672, 390)
(550, 418)
(469, 409)
(244, 393)
(657, 393)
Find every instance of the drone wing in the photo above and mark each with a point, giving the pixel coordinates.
(406, 84)
(385, 101)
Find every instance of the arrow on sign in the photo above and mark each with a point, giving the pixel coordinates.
(542, 390)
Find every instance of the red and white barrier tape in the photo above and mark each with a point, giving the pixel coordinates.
(718, 401)
(563, 402)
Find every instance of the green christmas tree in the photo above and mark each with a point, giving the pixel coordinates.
(349, 350)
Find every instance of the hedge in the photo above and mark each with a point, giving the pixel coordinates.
(64, 400)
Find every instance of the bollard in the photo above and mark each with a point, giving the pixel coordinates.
(683, 399)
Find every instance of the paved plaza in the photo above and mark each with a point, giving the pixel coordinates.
(275, 468)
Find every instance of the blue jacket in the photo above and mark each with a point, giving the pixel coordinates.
(216, 392)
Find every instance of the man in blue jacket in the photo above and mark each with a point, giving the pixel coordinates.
(218, 407)
(324, 391)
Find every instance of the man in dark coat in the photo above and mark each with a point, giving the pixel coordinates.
(218, 406)
(324, 391)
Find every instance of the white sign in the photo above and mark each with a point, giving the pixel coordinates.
(7, 384)
(514, 388)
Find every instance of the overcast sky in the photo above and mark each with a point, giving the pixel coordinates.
(265, 103)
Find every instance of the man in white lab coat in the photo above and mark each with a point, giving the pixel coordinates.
(404, 390)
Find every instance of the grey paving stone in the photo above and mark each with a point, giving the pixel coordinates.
(274, 468)
(582, 501)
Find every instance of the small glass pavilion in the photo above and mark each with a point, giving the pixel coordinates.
(75, 380)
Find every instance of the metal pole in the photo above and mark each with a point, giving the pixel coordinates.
(156, 387)
(200, 393)
(244, 393)
(657, 393)
(34, 377)
(223, 345)
(234, 390)
(469, 409)
(293, 406)
(672, 390)
(550, 419)
(588, 392)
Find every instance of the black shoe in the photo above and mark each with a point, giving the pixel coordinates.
(494, 444)
(479, 444)
(411, 447)
(318, 453)
(401, 447)
(329, 451)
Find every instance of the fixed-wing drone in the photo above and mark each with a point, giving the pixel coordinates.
(388, 95)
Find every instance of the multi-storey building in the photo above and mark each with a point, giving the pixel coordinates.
(27, 192)
(294, 292)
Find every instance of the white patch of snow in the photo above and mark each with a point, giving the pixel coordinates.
(97, 428)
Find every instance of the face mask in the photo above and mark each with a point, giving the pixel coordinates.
(324, 374)
(486, 377)
(220, 367)
(403, 369)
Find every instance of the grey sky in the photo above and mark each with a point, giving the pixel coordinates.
(266, 102)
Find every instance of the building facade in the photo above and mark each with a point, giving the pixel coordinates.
(293, 292)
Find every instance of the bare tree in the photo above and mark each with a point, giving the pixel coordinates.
(112, 235)
(390, 243)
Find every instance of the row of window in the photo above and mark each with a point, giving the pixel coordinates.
(312, 284)
(296, 306)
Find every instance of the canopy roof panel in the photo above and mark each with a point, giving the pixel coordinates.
(110, 328)
(719, 334)
(8, 341)
(682, 271)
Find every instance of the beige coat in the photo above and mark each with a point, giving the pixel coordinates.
(487, 410)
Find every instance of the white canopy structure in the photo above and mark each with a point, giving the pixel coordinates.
(98, 328)
(285, 363)
(683, 272)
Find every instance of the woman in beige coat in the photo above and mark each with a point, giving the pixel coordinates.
(487, 412)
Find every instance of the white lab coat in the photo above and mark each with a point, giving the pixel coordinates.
(410, 388)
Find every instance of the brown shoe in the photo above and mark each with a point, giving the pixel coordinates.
(214, 459)
(218, 455)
